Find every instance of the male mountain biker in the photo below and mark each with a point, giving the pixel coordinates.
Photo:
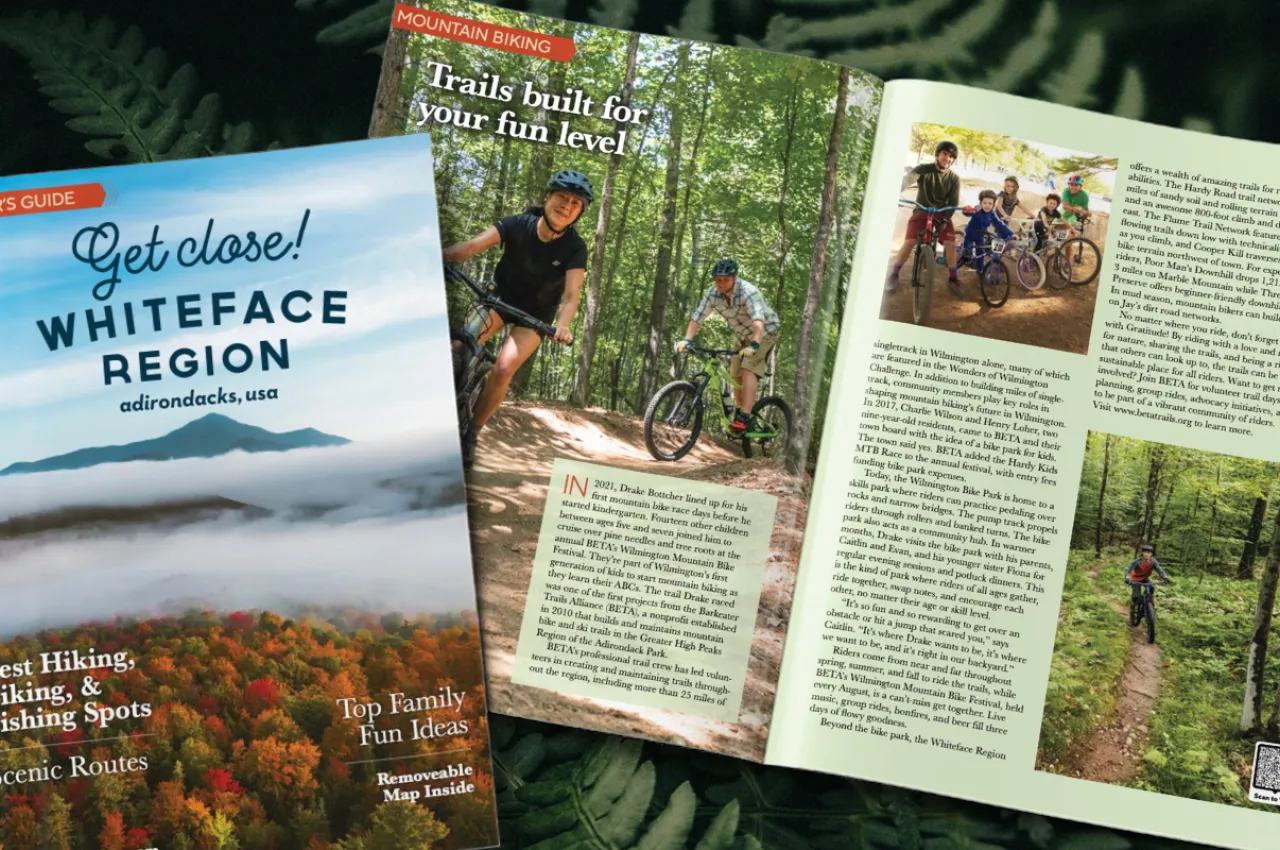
(541, 272)
(1075, 205)
(938, 187)
(1140, 571)
(754, 325)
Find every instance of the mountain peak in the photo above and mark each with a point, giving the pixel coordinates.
(210, 435)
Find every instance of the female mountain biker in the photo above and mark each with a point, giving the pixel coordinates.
(540, 272)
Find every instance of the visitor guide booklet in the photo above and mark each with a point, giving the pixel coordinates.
(238, 606)
(822, 422)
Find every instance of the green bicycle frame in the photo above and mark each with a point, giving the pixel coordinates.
(720, 377)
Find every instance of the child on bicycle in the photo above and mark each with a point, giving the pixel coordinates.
(1140, 570)
(938, 187)
(1007, 202)
(1049, 213)
(975, 232)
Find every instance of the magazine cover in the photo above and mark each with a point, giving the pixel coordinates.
(645, 239)
(238, 608)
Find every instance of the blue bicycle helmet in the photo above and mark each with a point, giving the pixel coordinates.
(725, 267)
(573, 182)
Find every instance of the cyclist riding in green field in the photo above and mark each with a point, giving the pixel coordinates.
(541, 272)
(754, 325)
(1140, 570)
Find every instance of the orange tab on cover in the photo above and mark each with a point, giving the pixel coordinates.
(83, 196)
(483, 34)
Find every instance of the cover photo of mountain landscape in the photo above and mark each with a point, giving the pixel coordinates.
(208, 598)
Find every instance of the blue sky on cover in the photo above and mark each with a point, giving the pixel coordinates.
(372, 231)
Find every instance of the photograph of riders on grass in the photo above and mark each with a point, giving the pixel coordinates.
(1166, 668)
(1027, 265)
(671, 307)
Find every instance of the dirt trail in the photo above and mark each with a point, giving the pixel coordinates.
(1114, 752)
(507, 491)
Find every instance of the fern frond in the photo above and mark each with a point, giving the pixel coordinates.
(1130, 102)
(779, 37)
(364, 27)
(619, 14)
(936, 55)
(118, 91)
(1073, 84)
(1028, 55)
(908, 18)
(697, 22)
(549, 8)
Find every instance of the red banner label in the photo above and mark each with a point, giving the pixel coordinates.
(84, 196)
(482, 34)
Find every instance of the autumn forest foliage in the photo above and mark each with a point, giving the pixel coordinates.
(246, 746)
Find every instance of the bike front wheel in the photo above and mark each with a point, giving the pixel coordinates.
(1082, 259)
(769, 429)
(1028, 267)
(1151, 619)
(1055, 266)
(1135, 612)
(673, 421)
(922, 283)
(995, 283)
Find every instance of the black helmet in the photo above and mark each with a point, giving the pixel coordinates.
(1147, 547)
(949, 147)
(573, 182)
(725, 267)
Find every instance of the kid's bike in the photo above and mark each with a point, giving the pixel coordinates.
(923, 260)
(1021, 252)
(673, 420)
(1143, 607)
(1071, 258)
(473, 361)
(988, 262)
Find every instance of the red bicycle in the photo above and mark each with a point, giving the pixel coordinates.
(926, 251)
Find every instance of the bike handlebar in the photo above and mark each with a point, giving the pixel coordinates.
(485, 296)
(910, 203)
(713, 352)
(1147, 583)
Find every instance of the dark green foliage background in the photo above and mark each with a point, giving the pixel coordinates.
(303, 73)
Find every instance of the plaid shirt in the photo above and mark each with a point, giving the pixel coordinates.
(745, 305)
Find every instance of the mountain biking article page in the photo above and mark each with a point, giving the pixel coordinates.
(645, 239)
(1042, 569)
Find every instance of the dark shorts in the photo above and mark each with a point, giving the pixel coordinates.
(946, 231)
(479, 320)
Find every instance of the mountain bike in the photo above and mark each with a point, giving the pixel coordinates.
(673, 420)
(923, 259)
(1071, 259)
(988, 262)
(1021, 252)
(473, 361)
(1144, 607)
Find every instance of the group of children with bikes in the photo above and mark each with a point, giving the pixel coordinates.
(535, 291)
(938, 198)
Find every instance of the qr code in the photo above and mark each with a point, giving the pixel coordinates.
(1264, 786)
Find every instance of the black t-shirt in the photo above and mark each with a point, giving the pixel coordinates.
(531, 273)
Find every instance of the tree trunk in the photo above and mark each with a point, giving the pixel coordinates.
(1245, 570)
(1213, 521)
(790, 120)
(389, 116)
(1164, 511)
(662, 275)
(798, 445)
(1102, 497)
(590, 315)
(1251, 714)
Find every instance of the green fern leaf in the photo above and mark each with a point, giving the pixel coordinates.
(1073, 84)
(1028, 55)
(549, 8)
(719, 835)
(363, 27)
(879, 21)
(671, 828)
(697, 22)
(1130, 102)
(116, 89)
(619, 14)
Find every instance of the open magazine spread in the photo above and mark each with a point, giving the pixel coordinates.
(238, 606)
(1041, 540)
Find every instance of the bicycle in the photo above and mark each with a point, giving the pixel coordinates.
(1143, 606)
(673, 419)
(1077, 267)
(923, 259)
(988, 262)
(1021, 249)
(473, 361)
